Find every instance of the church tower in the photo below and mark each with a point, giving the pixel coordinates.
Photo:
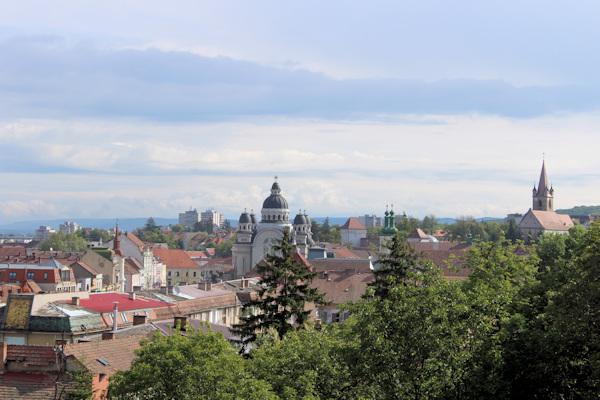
(543, 196)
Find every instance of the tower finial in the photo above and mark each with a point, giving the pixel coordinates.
(276, 178)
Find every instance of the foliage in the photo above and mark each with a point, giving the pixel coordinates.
(329, 234)
(97, 235)
(151, 226)
(64, 242)
(430, 224)
(227, 226)
(204, 227)
(397, 264)
(223, 250)
(407, 224)
(82, 383)
(581, 210)
(179, 228)
(374, 232)
(413, 340)
(306, 364)
(465, 224)
(194, 365)
(282, 299)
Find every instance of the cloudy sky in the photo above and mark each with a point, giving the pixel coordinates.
(144, 108)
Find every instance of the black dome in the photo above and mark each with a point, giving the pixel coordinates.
(253, 218)
(300, 220)
(245, 218)
(275, 200)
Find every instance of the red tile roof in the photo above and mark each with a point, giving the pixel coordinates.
(42, 356)
(135, 240)
(418, 234)
(353, 223)
(175, 258)
(27, 386)
(118, 353)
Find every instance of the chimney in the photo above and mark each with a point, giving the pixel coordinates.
(245, 283)
(165, 289)
(108, 335)
(207, 285)
(60, 342)
(139, 319)
(181, 321)
(3, 354)
(115, 316)
(75, 301)
(131, 295)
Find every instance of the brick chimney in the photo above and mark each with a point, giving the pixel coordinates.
(3, 354)
(131, 295)
(75, 300)
(108, 335)
(245, 283)
(181, 321)
(139, 319)
(207, 285)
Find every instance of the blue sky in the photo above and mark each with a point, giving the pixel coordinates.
(112, 109)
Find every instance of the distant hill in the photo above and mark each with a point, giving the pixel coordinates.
(581, 210)
(126, 224)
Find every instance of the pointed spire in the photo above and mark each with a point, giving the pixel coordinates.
(117, 243)
(543, 185)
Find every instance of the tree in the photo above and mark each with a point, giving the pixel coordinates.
(397, 263)
(195, 365)
(227, 226)
(306, 364)
(406, 225)
(179, 228)
(409, 337)
(60, 242)
(282, 299)
(81, 387)
(97, 235)
(151, 226)
(430, 224)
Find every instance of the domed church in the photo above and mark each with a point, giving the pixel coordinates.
(255, 239)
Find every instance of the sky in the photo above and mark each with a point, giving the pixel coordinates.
(146, 108)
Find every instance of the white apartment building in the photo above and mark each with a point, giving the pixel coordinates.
(189, 218)
(211, 215)
(68, 227)
(43, 233)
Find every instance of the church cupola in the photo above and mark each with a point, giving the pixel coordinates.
(275, 207)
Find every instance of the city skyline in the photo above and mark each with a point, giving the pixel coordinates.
(114, 110)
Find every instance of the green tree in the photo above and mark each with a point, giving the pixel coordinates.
(179, 228)
(81, 387)
(406, 225)
(430, 224)
(60, 242)
(305, 364)
(196, 365)
(223, 250)
(283, 297)
(97, 235)
(227, 226)
(151, 226)
(397, 263)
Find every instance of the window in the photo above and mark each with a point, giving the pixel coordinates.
(30, 275)
(194, 274)
(169, 274)
(45, 276)
(12, 275)
(177, 273)
(65, 275)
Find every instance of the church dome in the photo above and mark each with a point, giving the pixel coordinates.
(275, 200)
(253, 219)
(245, 219)
(300, 220)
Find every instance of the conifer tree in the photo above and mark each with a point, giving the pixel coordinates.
(283, 296)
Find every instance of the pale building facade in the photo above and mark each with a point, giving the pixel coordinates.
(255, 239)
(214, 216)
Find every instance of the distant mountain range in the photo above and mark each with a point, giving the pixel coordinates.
(581, 210)
(131, 224)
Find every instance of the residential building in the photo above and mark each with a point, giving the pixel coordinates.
(211, 215)
(189, 218)
(51, 276)
(371, 220)
(43, 233)
(181, 269)
(68, 227)
(352, 231)
(87, 279)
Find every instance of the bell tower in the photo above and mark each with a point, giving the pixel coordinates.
(543, 196)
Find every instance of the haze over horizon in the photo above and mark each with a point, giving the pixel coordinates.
(111, 109)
